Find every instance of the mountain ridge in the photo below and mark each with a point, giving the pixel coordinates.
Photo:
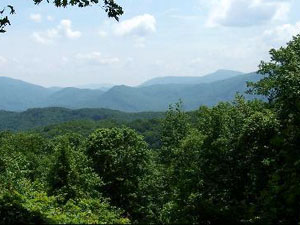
(215, 76)
(17, 95)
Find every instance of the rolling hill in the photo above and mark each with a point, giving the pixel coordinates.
(38, 117)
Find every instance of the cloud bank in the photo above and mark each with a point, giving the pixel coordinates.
(64, 29)
(137, 26)
(243, 13)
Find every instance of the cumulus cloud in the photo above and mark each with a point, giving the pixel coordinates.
(282, 34)
(64, 29)
(96, 58)
(137, 26)
(241, 13)
(36, 17)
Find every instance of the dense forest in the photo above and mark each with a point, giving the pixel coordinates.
(234, 163)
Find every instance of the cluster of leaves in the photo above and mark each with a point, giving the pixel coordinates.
(234, 163)
(4, 21)
(110, 6)
(43, 181)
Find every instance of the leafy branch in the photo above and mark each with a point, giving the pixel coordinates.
(4, 21)
(112, 9)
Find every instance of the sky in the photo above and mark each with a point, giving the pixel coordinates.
(53, 46)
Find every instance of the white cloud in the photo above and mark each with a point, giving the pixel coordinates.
(46, 37)
(102, 33)
(282, 34)
(3, 60)
(96, 58)
(137, 26)
(36, 18)
(64, 29)
(241, 13)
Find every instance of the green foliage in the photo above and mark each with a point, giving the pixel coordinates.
(71, 176)
(73, 186)
(175, 125)
(120, 157)
(82, 118)
(37, 207)
(281, 83)
(235, 163)
(12, 211)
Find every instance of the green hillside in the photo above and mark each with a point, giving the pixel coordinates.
(45, 116)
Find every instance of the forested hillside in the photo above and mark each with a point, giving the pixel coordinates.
(233, 163)
(46, 116)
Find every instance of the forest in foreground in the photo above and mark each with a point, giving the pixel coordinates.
(234, 163)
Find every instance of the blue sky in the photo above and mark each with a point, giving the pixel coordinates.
(70, 47)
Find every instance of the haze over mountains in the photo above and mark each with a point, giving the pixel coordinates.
(153, 95)
(216, 76)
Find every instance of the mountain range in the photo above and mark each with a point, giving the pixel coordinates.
(152, 95)
(216, 76)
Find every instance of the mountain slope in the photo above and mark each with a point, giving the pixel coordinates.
(216, 76)
(18, 95)
(74, 98)
(158, 97)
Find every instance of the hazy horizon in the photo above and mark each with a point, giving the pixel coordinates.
(72, 47)
(103, 85)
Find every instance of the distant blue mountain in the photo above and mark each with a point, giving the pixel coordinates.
(102, 87)
(208, 90)
(216, 76)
